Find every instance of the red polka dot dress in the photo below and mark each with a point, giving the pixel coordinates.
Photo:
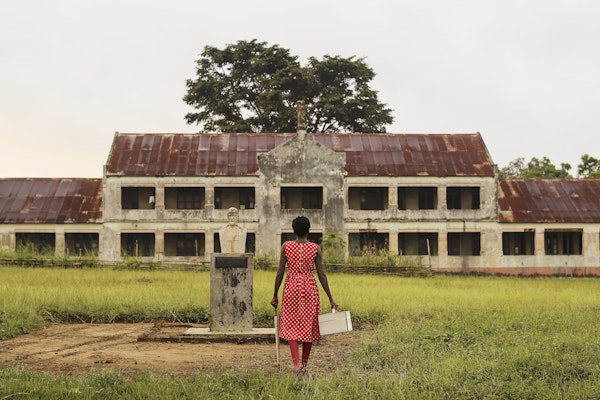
(300, 306)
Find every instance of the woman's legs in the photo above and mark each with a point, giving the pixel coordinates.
(294, 351)
(306, 347)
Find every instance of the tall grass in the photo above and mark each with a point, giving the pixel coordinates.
(31, 297)
(443, 337)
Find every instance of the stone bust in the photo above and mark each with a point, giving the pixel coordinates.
(232, 237)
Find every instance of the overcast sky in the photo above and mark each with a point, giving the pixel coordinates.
(525, 74)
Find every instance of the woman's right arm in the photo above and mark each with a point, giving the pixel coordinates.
(279, 276)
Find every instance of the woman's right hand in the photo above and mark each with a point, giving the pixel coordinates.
(274, 302)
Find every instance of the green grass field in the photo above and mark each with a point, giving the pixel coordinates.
(442, 337)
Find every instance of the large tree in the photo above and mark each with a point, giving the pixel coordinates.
(251, 86)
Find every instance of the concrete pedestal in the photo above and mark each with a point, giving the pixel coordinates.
(231, 290)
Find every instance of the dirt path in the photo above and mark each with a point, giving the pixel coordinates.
(86, 348)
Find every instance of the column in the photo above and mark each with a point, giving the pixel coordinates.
(159, 245)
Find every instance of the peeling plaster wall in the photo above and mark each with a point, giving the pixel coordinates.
(300, 161)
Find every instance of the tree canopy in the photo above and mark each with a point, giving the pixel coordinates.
(544, 168)
(589, 167)
(251, 86)
(536, 168)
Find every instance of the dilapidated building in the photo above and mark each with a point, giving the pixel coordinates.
(164, 197)
(61, 215)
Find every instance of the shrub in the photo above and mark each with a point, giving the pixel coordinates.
(333, 248)
(265, 262)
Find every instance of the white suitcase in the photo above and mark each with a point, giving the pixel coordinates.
(335, 322)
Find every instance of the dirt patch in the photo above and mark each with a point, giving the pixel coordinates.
(88, 348)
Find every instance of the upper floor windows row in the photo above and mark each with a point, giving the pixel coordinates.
(186, 198)
(414, 198)
(194, 198)
(307, 197)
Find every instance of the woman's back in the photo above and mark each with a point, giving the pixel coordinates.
(300, 257)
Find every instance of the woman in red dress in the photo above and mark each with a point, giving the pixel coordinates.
(300, 306)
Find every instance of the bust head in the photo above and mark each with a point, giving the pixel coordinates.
(232, 237)
(232, 216)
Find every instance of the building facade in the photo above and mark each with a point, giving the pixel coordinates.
(164, 197)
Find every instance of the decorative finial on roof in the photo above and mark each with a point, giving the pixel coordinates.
(301, 130)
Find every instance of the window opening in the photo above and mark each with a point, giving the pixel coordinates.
(186, 244)
(184, 198)
(81, 244)
(238, 197)
(137, 244)
(418, 243)
(518, 243)
(365, 243)
(463, 198)
(417, 198)
(563, 242)
(36, 243)
(368, 198)
(138, 198)
(296, 198)
(464, 244)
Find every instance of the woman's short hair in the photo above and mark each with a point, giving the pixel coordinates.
(301, 226)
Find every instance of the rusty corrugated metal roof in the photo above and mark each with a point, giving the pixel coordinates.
(549, 200)
(412, 154)
(189, 155)
(50, 200)
(235, 154)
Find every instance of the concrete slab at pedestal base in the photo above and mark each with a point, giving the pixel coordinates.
(253, 335)
(193, 333)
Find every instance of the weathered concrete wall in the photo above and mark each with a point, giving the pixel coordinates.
(161, 220)
(300, 161)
